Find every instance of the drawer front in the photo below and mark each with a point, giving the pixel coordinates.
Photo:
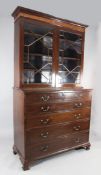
(57, 96)
(54, 107)
(55, 118)
(53, 132)
(66, 142)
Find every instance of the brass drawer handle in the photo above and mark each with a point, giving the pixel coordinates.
(45, 109)
(44, 135)
(77, 116)
(45, 98)
(78, 105)
(44, 148)
(76, 128)
(45, 121)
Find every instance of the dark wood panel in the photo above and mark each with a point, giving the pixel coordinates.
(18, 39)
(65, 142)
(34, 15)
(53, 118)
(34, 12)
(52, 107)
(19, 137)
(44, 97)
(51, 133)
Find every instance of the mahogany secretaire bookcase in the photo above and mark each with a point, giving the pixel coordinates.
(51, 108)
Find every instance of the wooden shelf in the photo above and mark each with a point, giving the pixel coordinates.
(32, 69)
(39, 54)
(61, 38)
(69, 58)
(71, 42)
(66, 71)
(37, 35)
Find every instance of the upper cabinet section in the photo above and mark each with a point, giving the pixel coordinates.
(49, 51)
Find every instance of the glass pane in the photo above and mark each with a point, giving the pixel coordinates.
(38, 54)
(69, 58)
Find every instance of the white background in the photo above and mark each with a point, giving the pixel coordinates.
(87, 12)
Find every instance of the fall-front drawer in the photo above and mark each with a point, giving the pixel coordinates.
(52, 107)
(58, 117)
(64, 143)
(48, 133)
(57, 96)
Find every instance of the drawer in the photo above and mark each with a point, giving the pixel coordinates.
(57, 96)
(55, 118)
(54, 107)
(64, 143)
(53, 132)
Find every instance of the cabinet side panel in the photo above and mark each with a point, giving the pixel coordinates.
(18, 50)
(19, 122)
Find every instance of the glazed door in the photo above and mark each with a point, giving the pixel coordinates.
(38, 54)
(70, 59)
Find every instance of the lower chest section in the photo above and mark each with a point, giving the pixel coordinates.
(55, 122)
